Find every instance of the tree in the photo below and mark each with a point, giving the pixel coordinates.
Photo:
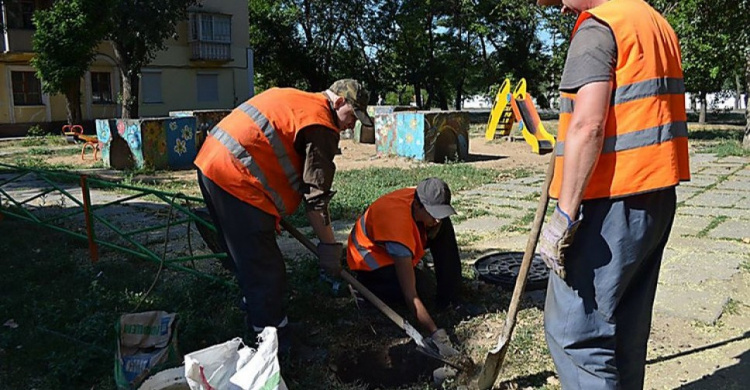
(711, 38)
(138, 30)
(447, 48)
(65, 43)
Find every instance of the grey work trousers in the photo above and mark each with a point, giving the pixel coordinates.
(597, 321)
(249, 236)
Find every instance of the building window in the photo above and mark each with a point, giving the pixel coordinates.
(151, 87)
(20, 13)
(27, 89)
(101, 87)
(210, 36)
(208, 87)
(211, 28)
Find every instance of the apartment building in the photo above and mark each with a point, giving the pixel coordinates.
(208, 66)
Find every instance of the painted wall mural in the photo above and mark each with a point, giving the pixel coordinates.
(434, 136)
(368, 135)
(156, 143)
(205, 121)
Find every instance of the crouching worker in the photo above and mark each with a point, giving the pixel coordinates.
(389, 240)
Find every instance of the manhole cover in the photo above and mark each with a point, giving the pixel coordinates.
(502, 268)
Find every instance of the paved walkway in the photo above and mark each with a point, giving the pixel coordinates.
(709, 241)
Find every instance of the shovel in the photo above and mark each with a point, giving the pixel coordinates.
(494, 360)
(424, 346)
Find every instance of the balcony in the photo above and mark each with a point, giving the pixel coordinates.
(210, 51)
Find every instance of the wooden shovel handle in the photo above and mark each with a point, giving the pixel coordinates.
(528, 255)
(348, 277)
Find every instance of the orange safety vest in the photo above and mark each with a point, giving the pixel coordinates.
(388, 219)
(645, 136)
(250, 153)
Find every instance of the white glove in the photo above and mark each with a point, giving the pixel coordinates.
(443, 343)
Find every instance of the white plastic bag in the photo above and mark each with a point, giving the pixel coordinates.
(234, 366)
(211, 368)
(262, 371)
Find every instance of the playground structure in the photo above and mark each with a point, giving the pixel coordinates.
(74, 134)
(518, 106)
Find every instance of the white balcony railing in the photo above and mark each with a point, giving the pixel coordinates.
(210, 51)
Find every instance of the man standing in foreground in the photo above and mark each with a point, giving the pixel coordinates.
(257, 165)
(622, 149)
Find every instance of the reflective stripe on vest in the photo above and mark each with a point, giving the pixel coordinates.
(635, 91)
(638, 139)
(366, 254)
(246, 159)
(236, 149)
(648, 88)
(276, 144)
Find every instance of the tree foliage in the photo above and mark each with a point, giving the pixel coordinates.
(448, 49)
(713, 37)
(138, 30)
(65, 43)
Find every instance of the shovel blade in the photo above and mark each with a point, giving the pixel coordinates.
(491, 369)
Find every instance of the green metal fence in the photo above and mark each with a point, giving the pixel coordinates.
(63, 201)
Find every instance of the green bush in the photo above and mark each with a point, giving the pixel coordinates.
(35, 131)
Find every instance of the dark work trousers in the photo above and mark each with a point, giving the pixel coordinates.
(383, 281)
(249, 236)
(598, 320)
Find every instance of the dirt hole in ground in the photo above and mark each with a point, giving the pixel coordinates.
(387, 366)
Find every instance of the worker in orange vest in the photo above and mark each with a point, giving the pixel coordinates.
(257, 165)
(389, 239)
(621, 151)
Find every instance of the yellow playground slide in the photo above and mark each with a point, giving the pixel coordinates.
(519, 106)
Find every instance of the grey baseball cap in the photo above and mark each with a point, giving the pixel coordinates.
(356, 95)
(435, 196)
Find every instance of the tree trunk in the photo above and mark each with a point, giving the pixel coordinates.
(73, 102)
(130, 88)
(459, 95)
(418, 96)
(738, 89)
(746, 140)
(130, 83)
(702, 116)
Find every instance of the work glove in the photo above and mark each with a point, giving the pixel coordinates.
(556, 237)
(443, 344)
(330, 258)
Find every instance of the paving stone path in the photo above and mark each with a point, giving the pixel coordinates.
(710, 238)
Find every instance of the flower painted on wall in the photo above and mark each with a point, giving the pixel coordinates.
(134, 128)
(179, 147)
(187, 133)
(102, 132)
(173, 126)
(121, 127)
(134, 141)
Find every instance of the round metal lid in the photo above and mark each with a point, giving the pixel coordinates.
(502, 268)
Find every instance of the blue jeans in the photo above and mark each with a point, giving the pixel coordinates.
(597, 321)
